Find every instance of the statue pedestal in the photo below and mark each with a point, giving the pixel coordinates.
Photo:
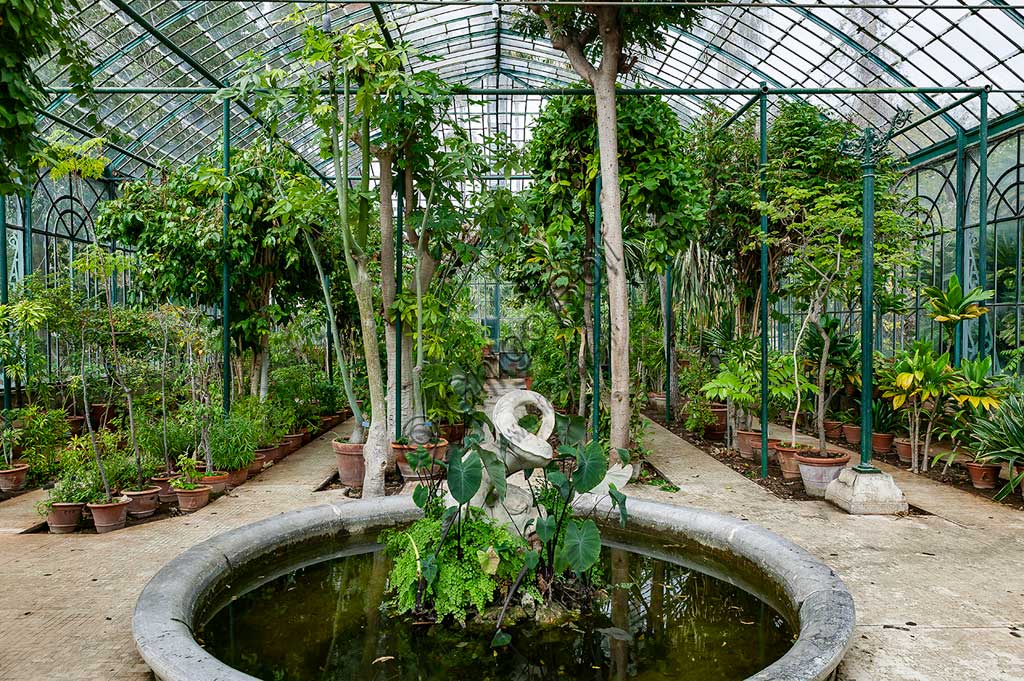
(866, 493)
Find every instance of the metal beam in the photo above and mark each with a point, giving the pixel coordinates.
(742, 110)
(88, 133)
(201, 70)
(939, 112)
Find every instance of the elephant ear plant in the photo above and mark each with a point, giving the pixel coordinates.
(457, 559)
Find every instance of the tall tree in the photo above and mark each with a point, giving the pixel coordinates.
(601, 41)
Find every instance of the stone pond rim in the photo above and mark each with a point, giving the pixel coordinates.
(168, 608)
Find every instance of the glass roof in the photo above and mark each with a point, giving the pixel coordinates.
(786, 44)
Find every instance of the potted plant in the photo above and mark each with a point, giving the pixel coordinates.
(851, 427)
(919, 384)
(883, 425)
(232, 448)
(110, 512)
(13, 473)
(192, 496)
(63, 506)
(436, 447)
(999, 441)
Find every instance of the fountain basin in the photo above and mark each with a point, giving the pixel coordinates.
(174, 604)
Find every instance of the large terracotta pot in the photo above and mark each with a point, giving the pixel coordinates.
(437, 450)
(237, 477)
(109, 517)
(64, 518)
(272, 454)
(217, 481)
(257, 464)
(307, 436)
(983, 475)
(818, 471)
(904, 450)
(351, 467)
(190, 500)
(716, 431)
(749, 443)
(166, 494)
(101, 414)
(13, 479)
(292, 442)
(453, 432)
(787, 461)
(881, 443)
(833, 429)
(75, 424)
(143, 503)
(851, 433)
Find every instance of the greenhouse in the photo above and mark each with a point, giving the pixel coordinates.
(512, 339)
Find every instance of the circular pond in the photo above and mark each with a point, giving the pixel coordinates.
(661, 620)
(695, 595)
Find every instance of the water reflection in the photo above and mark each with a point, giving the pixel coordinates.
(660, 621)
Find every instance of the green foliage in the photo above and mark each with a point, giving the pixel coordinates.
(31, 31)
(999, 438)
(582, 546)
(233, 442)
(465, 474)
(177, 224)
(454, 577)
(952, 306)
(41, 435)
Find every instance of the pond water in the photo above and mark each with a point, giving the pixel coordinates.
(324, 622)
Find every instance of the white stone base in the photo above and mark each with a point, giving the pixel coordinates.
(866, 493)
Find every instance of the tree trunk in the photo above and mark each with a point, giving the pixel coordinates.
(614, 256)
(375, 450)
(671, 371)
(265, 372)
(819, 421)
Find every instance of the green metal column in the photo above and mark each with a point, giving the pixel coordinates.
(595, 413)
(763, 106)
(867, 315)
(983, 222)
(26, 244)
(226, 273)
(4, 273)
(669, 340)
(399, 275)
(961, 215)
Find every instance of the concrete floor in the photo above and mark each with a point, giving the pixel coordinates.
(939, 597)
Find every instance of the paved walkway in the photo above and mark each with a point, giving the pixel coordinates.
(67, 600)
(939, 597)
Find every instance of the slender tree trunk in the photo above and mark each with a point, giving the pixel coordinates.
(614, 257)
(581, 371)
(822, 375)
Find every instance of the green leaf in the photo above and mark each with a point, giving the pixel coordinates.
(501, 639)
(591, 467)
(465, 473)
(619, 501)
(582, 545)
(420, 496)
(496, 471)
(530, 560)
(546, 528)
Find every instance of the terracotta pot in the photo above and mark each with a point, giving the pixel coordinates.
(787, 461)
(818, 471)
(746, 441)
(109, 517)
(326, 423)
(292, 442)
(833, 429)
(851, 433)
(437, 450)
(101, 414)
(190, 500)
(75, 424)
(237, 477)
(453, 432)
(272, 454)
(143, 503)
(904, 449)
(529, 382)
(64, 518)
(217, 481)
(13, 479)
(306, 435)
(257, 464)
(983, 475)
(166, 495)
(716, 431)
(881, 443)
(351, 467)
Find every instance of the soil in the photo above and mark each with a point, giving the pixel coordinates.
(957, 477)
(393, 485)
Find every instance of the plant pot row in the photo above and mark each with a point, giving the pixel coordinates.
(352, 469)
